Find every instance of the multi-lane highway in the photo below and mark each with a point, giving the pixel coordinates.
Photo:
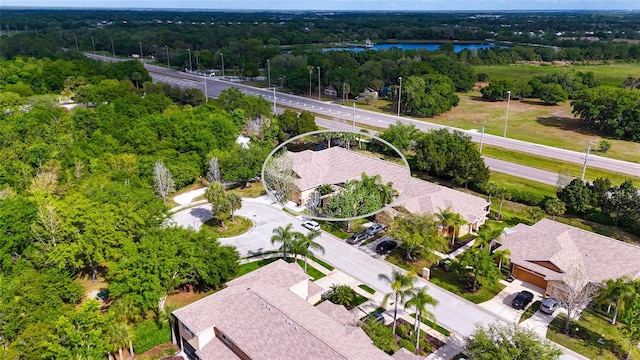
(343, 115)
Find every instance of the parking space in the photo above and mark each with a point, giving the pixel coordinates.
(500, 305)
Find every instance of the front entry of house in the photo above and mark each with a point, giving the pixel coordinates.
(529, 276)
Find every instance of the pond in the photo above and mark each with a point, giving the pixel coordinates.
(457, 47)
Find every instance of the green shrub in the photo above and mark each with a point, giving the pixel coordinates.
(404, 331)
(407, 345)
(148, 335)
(381, 336)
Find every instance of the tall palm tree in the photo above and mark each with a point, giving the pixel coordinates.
(449, 220)
(502, 256)
(119, 336)
(342, 295)
(305, 245)
(236, 203)
(284, 235)
(502, 194)
(616, 291)
(419, 300)
(401, 285)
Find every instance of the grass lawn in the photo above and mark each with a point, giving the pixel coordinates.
(554, 165)
(450, 282)
(607, 74)
(321, 262)
(522, 185)
(244, 269)
(311, 271)
(239, 226)
(148, 335)
(254, 190)
(530, 311)
(593, 327)
(367, 288)
(336, 228)
(433, 325)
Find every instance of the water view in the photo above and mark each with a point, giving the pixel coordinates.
(415, 46)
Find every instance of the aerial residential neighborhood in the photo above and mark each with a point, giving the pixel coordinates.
(418, 180)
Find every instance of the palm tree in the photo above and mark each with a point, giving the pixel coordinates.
(419, 300)
(503, 257)
(305, 245)
(284, 235)
(342, 295)
(616, 291)
(554, 207)
(490, 188)
(502, 194)
(119, 335)
(401, 285)
(449, 219)
(236, 203)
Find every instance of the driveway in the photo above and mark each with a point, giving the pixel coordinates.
(452, 312)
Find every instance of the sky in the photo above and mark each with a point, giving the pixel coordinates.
(415, 5)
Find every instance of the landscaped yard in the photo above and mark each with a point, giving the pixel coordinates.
(314, 273)
(147, 335)
(239, 226)
(530, 311)
(450, 281)
(253, 190)
(595, 338)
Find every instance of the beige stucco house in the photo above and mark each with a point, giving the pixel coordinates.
(543, 253)
(269, 314)
(336, 165)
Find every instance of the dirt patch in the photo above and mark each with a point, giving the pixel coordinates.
(162, 351)
(186, 296)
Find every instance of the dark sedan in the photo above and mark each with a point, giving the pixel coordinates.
(386, 246)
(522, 300)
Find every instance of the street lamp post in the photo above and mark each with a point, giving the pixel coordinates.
(75, 36)
(269, 71)
(168, 63)
(319, 92)
(481, 138)
(506, 120)
(141, 56)
(190, 65)
(310, 72)
(354, 116)
(204, 77)
(113, 49)
(399, 94)
(586, 158)
(274, 100)
(93, 43)
(222, 57)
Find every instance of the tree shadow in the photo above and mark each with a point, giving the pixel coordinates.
(201, 213)
(534, 102)
(567, 124)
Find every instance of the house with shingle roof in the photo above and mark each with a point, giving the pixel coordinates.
(543, 253)
(336, 165)
(268, 314)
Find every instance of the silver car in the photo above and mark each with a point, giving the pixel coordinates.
(549, 306)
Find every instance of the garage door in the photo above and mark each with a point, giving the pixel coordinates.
(530, 277)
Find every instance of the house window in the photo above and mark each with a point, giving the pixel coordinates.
(226, 339)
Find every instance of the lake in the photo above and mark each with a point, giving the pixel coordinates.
(457, 47)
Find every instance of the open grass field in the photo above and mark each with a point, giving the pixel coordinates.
(607, 74)
(531, 121)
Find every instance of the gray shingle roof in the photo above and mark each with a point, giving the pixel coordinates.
(268, 321)
(601, 257)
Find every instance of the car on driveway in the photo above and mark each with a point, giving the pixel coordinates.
(375, 229)
(549, 306)
(522, 299)
(357, 238)
(311, 225)
(386, 246)
(375, 317)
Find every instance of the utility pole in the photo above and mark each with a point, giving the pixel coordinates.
(222, 57)
(168, 63)
(141, 56)
(76, 37)
(93, 43)
(506, 120)
(190, 65)
(319, 91)
(399, 94)
(113, 49)
(269, 71)
(354, 116)
(274, 100)
(310, 72)
(586, 158)
(204, 77)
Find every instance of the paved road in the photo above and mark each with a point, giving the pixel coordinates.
(452, 312)
(346, 115)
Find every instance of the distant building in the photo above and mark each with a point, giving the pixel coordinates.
(330, 91)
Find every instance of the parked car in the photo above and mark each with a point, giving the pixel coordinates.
(374, 317)
(386, 246)
(357, 238)
(446, 264)
(522, 300)
(311, 225)
(375, 229)
(549, 306)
